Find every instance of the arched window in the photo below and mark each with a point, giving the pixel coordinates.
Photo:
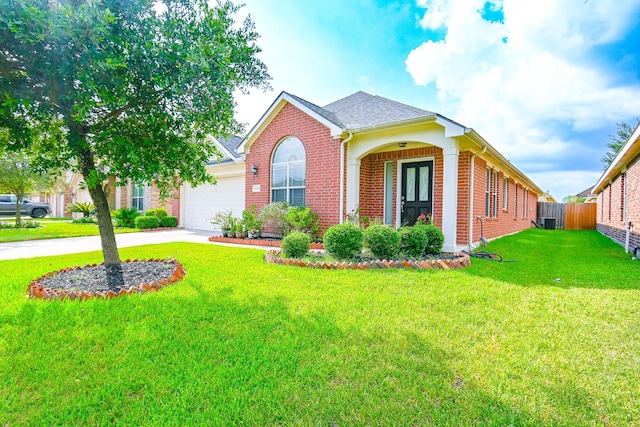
(288, 172)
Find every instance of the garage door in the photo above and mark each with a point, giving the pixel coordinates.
(203, 202)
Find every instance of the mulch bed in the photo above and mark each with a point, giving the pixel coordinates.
(272, 243)
(446, 262)
(90, 281)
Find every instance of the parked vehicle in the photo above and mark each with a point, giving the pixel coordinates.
(32, 209)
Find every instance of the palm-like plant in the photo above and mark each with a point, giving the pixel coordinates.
(85, 208)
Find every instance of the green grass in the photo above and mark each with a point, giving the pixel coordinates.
(241, 342)
(54, 229)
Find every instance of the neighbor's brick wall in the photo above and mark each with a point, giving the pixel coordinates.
(507, 221)
(322, 192)
(610, 219)
(372, 180)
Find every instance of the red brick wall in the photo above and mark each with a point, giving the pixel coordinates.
(322, 192)
(171, 203)
(610, 219)
(505, 222)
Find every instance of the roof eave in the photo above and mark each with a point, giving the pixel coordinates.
(480, 141)
(628, 152)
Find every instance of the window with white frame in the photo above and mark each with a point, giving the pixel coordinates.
(288, 172)
(494, 196)
(515, 200)
(137, 196)
(487, 195)
(505, 193)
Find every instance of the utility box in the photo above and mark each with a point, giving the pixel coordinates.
(549, 223)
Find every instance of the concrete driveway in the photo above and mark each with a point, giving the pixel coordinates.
(72, 245)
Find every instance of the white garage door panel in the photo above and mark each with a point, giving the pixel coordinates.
(202, 203)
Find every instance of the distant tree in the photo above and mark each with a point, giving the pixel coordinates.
(19, 177)
(136, 86)
(617, 141)
(573, 199)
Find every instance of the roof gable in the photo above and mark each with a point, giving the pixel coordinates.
(362, 110)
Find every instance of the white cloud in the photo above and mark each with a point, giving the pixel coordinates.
(519, 81)
(565, 183)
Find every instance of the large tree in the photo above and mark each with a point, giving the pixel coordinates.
(617, 141)
(136, 85)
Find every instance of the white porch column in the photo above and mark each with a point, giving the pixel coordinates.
(353, 184)
(450, 198)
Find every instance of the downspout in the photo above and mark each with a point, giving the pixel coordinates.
(342, 177)
(471, 182)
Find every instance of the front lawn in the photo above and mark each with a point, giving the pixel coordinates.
(53, 229)
(241, 342)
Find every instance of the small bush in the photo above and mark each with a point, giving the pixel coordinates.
(303, 219)
(273, 215)
(5, 225)
(143, 222)
(382, 241)
(343, 241)
(435, 239)
(295, 244)
(413, 241)
(124, 217)
(84, 220)
(168, 221)
(157, 212)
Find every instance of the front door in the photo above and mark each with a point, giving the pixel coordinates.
(417, 191)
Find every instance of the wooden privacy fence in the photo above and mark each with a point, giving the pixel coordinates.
(569, 216)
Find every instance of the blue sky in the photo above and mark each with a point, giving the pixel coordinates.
(544, 82)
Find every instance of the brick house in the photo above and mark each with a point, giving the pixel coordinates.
(618, 196)
(391, 160)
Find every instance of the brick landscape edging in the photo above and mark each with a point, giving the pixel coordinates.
(37, 291)
(256, 242)
(461, 261)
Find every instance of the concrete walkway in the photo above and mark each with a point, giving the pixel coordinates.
(72, 245)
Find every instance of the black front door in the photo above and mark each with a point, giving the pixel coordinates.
(417, 191)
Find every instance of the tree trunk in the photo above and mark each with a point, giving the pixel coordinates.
(112, 261)
(18, 210)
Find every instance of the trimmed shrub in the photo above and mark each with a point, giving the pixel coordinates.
(295, 244)
(382, 241)
(84, 220)
(157, 212)
(273, 215)
(413, 241)
(168, 221)
(143, 222)
(303, 219)
(343, 241)
(435, 239)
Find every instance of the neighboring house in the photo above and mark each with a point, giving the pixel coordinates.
(618, 192)
(199, 204)
(546, 197)
(139, 196)
(391, 160)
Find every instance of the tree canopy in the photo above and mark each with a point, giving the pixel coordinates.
(135, 86)
(617, 141)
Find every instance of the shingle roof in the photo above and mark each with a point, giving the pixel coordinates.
(231, 144)
(319, 110)
(362, 110)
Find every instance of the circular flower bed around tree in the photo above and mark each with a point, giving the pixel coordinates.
(90, 281)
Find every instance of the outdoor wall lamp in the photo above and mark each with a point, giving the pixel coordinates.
(254, 170)
(402, 144)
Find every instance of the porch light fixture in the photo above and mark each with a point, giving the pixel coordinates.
(402, 144)
(254, 170)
